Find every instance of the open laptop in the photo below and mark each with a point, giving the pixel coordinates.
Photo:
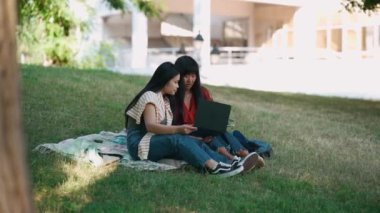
(211, 118)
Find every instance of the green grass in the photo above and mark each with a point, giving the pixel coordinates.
(326, 151)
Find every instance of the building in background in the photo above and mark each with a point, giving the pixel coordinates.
(295, 46)
(244, 30)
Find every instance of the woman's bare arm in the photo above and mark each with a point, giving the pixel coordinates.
(154, 127)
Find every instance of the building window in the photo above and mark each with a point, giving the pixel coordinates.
(236, 32)
(290, 39)
(352, 39)
(336, 39)
(322, 39)
(368, 38)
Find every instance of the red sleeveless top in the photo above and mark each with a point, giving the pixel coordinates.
(189, 113)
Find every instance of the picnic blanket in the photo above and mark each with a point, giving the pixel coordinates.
(105, 148)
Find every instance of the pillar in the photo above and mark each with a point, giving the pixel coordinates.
(202, 23)
(139, 39)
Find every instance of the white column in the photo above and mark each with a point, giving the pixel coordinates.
(344, 40)
(202, 24)
(96, 34)
(359, 42)
(345, 33)
(284, 41)
(376, 43)
(305, 32)
(376, 35)
(329, 37)
(251, 28)
(139, 39)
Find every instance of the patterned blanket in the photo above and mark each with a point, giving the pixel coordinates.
(105, 148)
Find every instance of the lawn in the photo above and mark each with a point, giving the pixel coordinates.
(326, 151)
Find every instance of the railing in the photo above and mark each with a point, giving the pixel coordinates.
(228, 55)
(158, 55)
(239, 55)
(234, 55)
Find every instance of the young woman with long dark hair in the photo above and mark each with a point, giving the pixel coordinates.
(151, 135)
(190, 91)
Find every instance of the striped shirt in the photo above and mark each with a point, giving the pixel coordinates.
(163, 113)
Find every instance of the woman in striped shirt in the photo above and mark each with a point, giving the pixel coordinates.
(151, 135)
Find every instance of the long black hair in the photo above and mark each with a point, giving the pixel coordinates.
(163, 74)
(186, 65)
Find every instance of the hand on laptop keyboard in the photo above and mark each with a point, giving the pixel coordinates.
(187, 129)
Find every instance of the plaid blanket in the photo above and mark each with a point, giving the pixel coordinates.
(105, 148)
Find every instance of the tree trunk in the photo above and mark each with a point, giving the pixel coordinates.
(15, 193)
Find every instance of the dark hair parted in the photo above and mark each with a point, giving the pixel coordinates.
(162, 75)
(186, 65)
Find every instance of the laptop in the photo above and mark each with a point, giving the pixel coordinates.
(211, 118)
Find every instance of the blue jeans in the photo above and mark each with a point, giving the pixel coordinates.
(228, 141)
(175, 146)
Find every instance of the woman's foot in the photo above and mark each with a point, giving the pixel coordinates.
(260, 162)
(248, 162)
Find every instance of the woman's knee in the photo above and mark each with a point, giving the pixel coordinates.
(187, 142)
(175, 139)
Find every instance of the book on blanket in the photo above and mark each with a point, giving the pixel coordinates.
(211, 118)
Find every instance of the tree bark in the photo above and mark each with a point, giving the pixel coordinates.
(15, 194)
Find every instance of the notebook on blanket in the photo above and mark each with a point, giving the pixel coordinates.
(211, 118)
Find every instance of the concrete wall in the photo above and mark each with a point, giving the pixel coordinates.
(270, 18)
(119, 26)
(221, 11)
(235, 8)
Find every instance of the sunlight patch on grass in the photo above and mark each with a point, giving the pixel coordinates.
(81, 175)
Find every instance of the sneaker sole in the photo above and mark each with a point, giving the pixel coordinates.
(250, 162)
(233, 172)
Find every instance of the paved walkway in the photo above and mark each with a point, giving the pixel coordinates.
(352, 78)
(343, 78)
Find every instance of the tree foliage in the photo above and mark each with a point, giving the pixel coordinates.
(361, 5)
(47, 28)
(150, 8)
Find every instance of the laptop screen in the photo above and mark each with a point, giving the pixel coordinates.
(211, 118)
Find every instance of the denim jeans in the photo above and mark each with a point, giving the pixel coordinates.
(228, 141)
(175, 146)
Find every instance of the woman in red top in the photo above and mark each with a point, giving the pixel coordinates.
(189, 92)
